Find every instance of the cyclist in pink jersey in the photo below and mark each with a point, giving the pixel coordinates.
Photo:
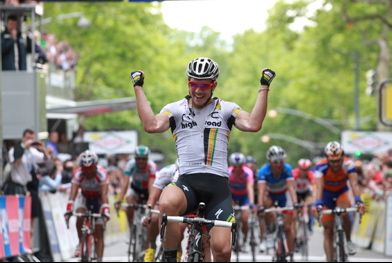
(241, 188)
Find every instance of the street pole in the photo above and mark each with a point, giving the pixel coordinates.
(357, 60)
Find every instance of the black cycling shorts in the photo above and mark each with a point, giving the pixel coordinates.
(211, 189)
(303, 196)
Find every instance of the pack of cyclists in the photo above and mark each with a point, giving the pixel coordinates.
(201, 125)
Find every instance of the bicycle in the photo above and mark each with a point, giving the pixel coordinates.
(137, 234)
(87, 242)
(302, 236)
(252, 237)
(340, 253)
(198, 230)
(280, 241)
(237, 214)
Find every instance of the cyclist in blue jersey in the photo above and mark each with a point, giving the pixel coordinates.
(201, 125)
(276, 185)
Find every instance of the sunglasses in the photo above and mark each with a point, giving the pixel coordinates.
(334, 161)
(202, 85)
(277, 162)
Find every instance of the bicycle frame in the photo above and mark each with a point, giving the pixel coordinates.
(252, 237)
(302, 235)
(138, 233)
(281, 250)
(339, 236)
(199, 227)
(88, 240)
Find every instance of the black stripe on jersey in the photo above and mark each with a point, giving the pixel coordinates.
(172, 122)
(230, 122)
(206, 136)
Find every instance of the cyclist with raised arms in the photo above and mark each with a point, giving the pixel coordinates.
(241, 188)
(139, 177)
(201, 125)
(276, 185)
(93, 182)
(332, 176)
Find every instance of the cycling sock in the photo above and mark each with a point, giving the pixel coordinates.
(170, 255)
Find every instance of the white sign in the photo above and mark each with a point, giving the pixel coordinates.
(112, 142)
(369, 142)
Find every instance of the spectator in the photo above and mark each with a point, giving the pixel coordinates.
(50, 176)
(24, 158)
(52, 143)
(13, 46)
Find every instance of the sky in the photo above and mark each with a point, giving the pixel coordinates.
(228, 17)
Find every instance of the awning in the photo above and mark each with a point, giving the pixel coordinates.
(89, 108)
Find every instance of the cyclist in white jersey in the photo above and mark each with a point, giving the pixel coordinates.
(201, 126)
(165, 176)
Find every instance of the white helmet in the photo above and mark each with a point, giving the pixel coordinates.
(88, 158)
(203, 68)
(276, 153)
(304, 163)
(333, 150)
(237, 159)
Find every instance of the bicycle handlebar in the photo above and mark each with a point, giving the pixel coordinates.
(339, 210)
(277, 209)
(197, 220)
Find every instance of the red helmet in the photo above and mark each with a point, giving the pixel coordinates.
(304, 164)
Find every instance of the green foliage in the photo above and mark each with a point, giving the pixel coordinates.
(315, 66)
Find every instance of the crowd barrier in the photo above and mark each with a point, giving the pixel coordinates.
(375, 231)
(16, 229)
(15, 225)
(63, 241)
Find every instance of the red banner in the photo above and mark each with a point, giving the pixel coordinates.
(27, 224)
(12, 206)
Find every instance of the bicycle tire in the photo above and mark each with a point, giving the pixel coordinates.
(341, 249)
(85, 253)
(132, 245)
(252, 241)
(304, 242)
(281, 242)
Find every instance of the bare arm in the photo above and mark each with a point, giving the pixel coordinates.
(319, 188)
(353, 178)
(124, 187)
(293, 194)
(74, 192)
(152, 123)
(104, 193)
(154, 195)
(261, 188)
(252, 122)
(251, 195)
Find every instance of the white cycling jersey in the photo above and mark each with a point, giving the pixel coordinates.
(202, 135)
(165, 176)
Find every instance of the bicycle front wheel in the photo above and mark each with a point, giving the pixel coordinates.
(132, 245)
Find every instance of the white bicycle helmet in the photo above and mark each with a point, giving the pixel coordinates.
(304, 163)
(203, 68)
(333, 150)
(276, 153)
(88, 158)
(237, 159)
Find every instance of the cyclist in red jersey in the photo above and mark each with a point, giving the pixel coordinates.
(304, 182)
(93, 182)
